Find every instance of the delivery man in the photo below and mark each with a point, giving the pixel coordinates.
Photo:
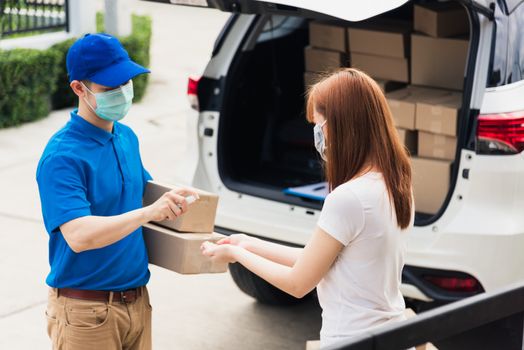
(91, 182)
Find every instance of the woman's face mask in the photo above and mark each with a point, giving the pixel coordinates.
(320, 139)
(113, 105)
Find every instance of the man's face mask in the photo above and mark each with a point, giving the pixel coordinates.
(113, 105)
(320, 140)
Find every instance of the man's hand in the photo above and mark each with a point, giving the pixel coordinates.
(171, 205)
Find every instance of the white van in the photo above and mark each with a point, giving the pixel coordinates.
(254, 142)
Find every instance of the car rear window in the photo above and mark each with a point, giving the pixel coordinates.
(508, 50)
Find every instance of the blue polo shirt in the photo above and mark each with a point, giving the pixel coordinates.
(85, 170)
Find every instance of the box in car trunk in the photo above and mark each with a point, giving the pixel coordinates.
(319, 60)
(439, 114)
(330, 36)
(436, 146)
(382, 67)
(438, 62)
(403, 103)
(430, 183)
(381, 50)
(388, 39)
(439, 19)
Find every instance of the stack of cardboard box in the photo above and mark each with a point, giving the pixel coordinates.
(432, 59)
(439, 50)
(427, 123)
(175, 245)
(327, 50)
(381, 49)
(428, 110)
(402, 104)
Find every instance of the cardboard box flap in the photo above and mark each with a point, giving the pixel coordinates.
(417, 94)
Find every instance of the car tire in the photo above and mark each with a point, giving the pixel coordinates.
(259, 289)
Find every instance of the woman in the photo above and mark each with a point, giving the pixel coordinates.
(356, 253)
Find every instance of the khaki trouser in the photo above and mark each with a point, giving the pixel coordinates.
(84, 324)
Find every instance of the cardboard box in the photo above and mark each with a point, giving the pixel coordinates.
(389, 39)
(430, 183)
(388, 85)
(409, 139)
(382, 67)
(403, 103)
(438, 62)
(330, 36)
(200, 216)
(439, 114)
(436, 146)
(180, 252)
(319, 60)
(311, 78)
(441, 19)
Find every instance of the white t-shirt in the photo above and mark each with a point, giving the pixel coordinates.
(361, 290)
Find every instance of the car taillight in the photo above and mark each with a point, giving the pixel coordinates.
(455, 284)
(500, 133)
(192, 92)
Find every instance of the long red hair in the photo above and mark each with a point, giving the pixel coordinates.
(360, 133)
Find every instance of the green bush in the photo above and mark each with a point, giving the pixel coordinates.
(63, 96)
(137, 45)
(27, 80)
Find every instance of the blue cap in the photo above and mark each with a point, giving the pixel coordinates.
(102, 59)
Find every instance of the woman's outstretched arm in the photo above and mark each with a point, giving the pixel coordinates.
(300, 278)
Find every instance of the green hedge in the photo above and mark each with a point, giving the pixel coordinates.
(32, 82)
(27, 79)
(137, 45)
(63, 96)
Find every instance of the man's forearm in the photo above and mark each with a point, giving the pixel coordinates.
(92, 232)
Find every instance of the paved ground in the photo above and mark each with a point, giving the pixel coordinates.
(190, 312)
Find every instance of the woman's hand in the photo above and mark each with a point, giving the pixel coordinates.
(240, 240)
(220, 253)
